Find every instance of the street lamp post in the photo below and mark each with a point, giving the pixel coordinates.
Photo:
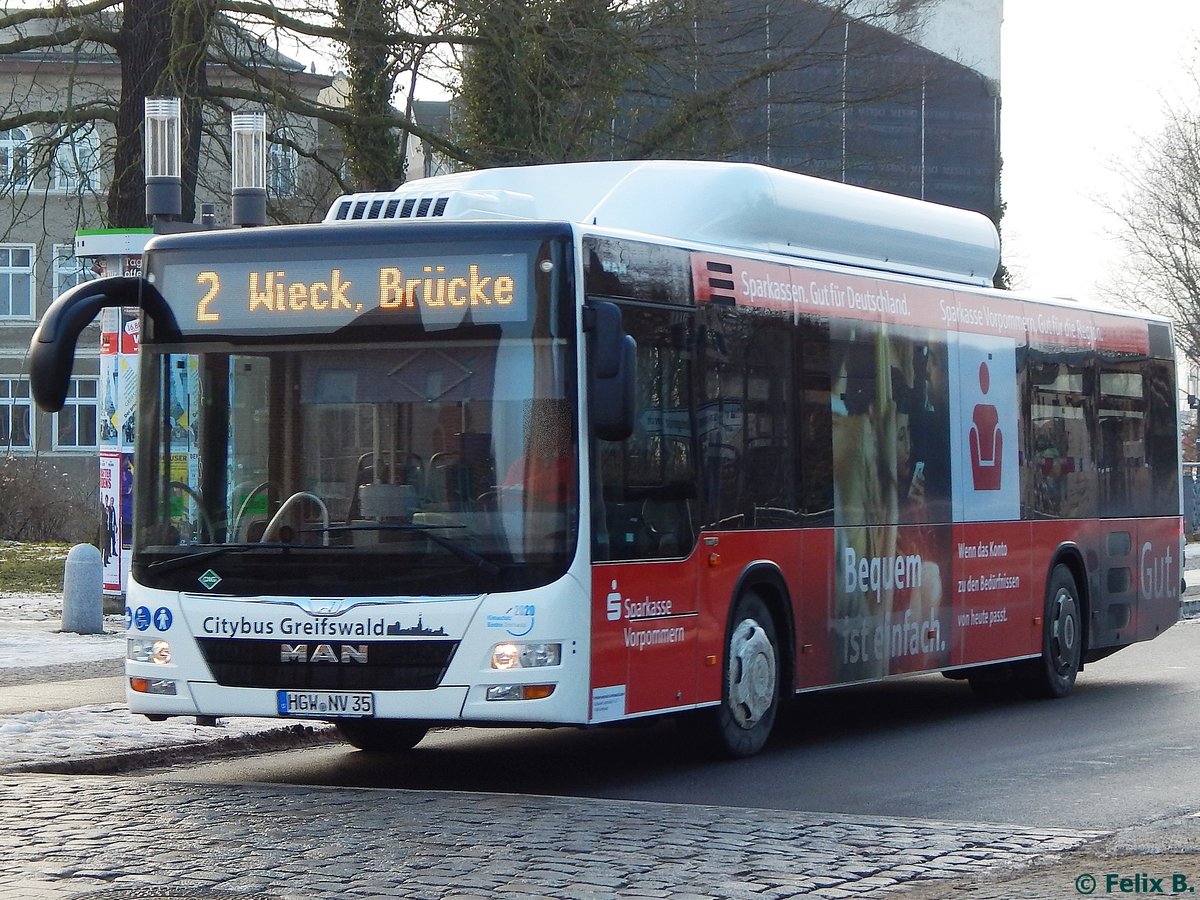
(164, 177)
(249, 169)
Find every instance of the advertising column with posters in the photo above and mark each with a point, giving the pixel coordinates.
(116, 252)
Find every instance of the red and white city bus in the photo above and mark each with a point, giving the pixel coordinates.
(587, 443)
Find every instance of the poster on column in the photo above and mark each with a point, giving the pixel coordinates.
(110, 520)
(120, 333)
(110, 402)
(131, 326)
(127, 380)
(110, 328)
(125, 517)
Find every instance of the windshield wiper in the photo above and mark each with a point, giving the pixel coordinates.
(178, 562)
(430, 531)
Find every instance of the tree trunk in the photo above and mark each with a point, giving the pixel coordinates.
(192, 25)
(162, 45)
(143, 46)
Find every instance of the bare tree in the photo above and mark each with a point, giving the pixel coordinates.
(162, 45)
(385, 46)
(1160, 214)
(171, 47)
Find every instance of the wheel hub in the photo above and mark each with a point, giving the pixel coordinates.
(752, 674)
(1064, 631)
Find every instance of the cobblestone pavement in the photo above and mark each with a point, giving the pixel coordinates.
(1160, 857)
(79, 837)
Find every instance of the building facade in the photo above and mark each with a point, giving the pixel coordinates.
(910, 108)
(54, 182)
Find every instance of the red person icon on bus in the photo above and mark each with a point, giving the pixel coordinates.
(987, 440)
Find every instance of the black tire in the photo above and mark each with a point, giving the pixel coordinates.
(383, 736)
(1053, 675)
(750, 695)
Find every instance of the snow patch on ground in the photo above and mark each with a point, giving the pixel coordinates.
(99, 731)
(30, 637)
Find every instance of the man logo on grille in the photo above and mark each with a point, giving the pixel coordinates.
(298, 653)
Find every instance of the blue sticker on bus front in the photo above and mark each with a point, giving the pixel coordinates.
(141, 618)
(517, 621)
(163, 619)
(128, 617)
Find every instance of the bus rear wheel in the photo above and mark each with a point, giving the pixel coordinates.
(1053, 675)
(381, 736)
(750, 694)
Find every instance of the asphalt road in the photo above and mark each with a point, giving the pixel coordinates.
(1121, 750)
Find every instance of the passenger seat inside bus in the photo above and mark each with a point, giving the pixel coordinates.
(665, 527)
(650, 529)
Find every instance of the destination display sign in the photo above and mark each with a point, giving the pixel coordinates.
(326, 294)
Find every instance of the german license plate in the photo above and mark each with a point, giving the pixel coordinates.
(325, 703)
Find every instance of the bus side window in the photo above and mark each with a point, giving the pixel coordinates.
(814, 462)
(1062, 464)
(1121, 448)
(1161, 450)
(643, 487)
(745, 413)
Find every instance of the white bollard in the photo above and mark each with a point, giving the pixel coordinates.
(83, 591)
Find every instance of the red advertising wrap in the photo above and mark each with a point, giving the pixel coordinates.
(805, 291)
(933, 561)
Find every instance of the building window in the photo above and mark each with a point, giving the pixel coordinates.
(75, 161)
(75, 423)
(16, 414)
(14, 157)
(282, 165)
(16, 281)
(69, 269)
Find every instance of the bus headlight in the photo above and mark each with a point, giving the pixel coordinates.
(154, 650)
(525, 656)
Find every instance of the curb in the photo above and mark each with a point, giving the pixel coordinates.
(293, 737)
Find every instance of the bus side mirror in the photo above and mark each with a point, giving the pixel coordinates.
(612, 372)
(52, 347)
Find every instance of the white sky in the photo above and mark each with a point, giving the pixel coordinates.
(1081, 80)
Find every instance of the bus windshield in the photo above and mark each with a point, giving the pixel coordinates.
(417, 463)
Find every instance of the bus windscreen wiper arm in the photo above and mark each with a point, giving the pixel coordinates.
(463, 553)
(178, 562)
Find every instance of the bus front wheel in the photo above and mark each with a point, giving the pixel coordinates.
(1053, 675)
(382, 736)
(750, 693)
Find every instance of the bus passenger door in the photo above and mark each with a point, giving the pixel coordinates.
(644, 526)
